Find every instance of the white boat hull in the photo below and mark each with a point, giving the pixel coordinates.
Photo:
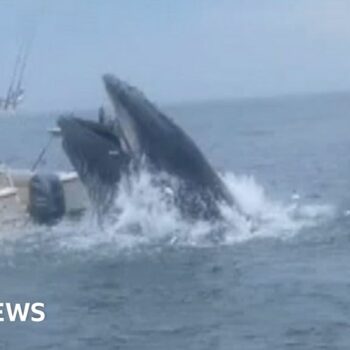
(15, 199)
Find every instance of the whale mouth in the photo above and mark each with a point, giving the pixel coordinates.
(119, 88)
(94, 150)
(136, 137)
(120, 95)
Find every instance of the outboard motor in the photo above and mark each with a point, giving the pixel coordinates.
(46, 199)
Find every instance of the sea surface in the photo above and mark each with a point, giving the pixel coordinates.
(281, 281)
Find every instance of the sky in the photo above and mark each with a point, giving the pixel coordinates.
(175, 51)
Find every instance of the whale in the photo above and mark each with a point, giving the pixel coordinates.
(138, 135)
(96, 155)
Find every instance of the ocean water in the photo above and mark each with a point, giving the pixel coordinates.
(280, 281)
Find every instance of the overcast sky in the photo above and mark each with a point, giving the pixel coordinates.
(175, 50)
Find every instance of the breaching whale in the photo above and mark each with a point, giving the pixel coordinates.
(96, 154)
(141, 135)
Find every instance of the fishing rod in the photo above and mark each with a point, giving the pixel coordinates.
(15, 90)
(21, 73)
(26, 53)
(8, 97)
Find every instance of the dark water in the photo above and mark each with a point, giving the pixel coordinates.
(284, 286)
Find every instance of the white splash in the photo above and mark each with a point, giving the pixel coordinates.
(268, 217)
(146, 215)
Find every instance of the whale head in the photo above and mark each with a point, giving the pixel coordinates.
(96, 154)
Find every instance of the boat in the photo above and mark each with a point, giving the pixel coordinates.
(29, 194)
(32, 195)
(26, 195)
